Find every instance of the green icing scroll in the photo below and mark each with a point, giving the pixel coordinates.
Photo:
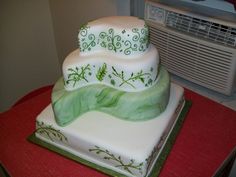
(123, 41)
(132, 106)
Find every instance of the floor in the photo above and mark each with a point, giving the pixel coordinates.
(228, 101)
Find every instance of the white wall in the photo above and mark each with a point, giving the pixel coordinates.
(68, 16)
(28, 57)
(35, 37)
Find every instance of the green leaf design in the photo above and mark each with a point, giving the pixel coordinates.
(102, 71)
(78, 74)
(50, 132)
(113, 82)
(129, 167)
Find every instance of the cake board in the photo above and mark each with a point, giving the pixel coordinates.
(103, 153)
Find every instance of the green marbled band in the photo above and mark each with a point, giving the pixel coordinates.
(132, 106)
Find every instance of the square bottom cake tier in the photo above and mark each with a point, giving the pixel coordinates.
(114, 146)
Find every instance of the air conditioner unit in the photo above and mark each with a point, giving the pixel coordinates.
(194, 45)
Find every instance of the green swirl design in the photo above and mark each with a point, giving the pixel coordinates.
(111, 32)
(145, 30)
(122, 43)
(130, 48)
(111, 41)
(144, 41)
(102, 35)
(137, 36)
(84, 30)
(116, 42)
(92, 42)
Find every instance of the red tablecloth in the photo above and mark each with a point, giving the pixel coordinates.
(208, 135)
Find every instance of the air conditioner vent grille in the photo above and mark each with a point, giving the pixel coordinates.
(207, 65)
(205, 29)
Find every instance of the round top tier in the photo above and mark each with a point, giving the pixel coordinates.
(118, 35)
(127, 22)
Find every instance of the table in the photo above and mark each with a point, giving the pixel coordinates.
(208, 135)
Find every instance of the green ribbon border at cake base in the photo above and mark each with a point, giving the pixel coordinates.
(157, 166)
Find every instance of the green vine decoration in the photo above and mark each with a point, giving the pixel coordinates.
(109, 156)
(111, 41)
(137, 36)
(116, 77)
(78, 74)
(50, 132)
(102, 71)
(130, 47)
(133, 77)
(83, 32)
(90, 44)
(144, 41)
(114, 42)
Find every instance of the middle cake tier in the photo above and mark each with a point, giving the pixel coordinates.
(120, 73)
(132, 106)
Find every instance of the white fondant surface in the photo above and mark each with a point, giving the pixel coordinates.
(123, 36)
(129, 140)
(147, 63)
(119, 22)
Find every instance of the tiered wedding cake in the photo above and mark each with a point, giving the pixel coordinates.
(115, 106)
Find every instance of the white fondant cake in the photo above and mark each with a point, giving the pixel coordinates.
(114, 51)
(129, 148)
(115, 106)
